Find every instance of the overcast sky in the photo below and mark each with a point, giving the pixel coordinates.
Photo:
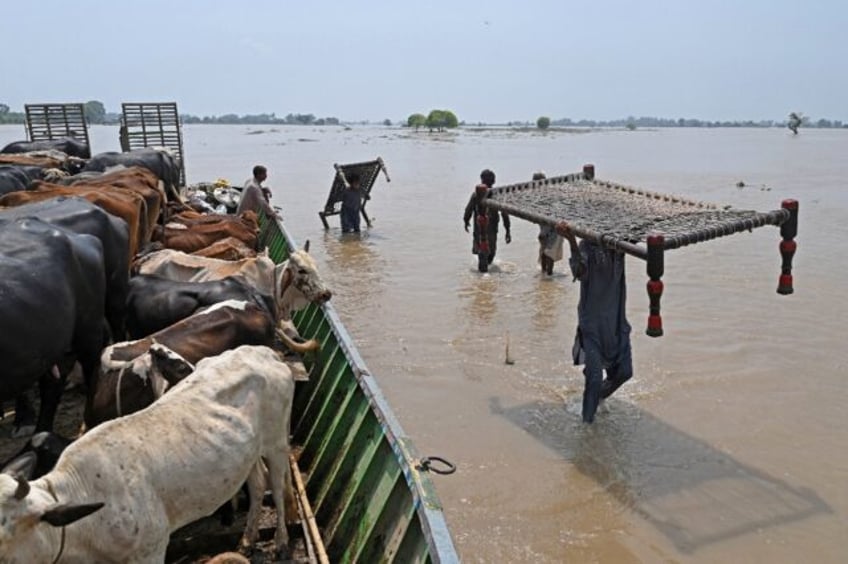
(490, 61)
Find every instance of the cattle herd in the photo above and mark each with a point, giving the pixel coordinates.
(175, 320)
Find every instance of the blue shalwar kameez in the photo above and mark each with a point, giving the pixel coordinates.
(603, 333)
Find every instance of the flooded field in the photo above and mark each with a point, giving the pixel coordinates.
(727, 445)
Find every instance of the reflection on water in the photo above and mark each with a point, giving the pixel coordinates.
(691, 492)
(480, 297)
(354, 270)
(547, 296)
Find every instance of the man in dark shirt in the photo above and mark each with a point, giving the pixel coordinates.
(603, 333)
(351, 205)
(485, 242)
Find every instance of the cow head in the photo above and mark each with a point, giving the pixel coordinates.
(168, 365)
(133, 374)
(24, 512)
(299, 283)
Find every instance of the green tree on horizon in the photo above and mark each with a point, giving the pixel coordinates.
(416, 121)
(543, 122)
(441, 119)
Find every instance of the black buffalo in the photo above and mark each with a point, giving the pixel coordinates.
(159, 161)
(14, 178)
(38, 456)
(155, 303)
(80, 216)
(52, 286)
(68, 145)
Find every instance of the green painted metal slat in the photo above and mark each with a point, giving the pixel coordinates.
(305, 391)
(390, 528)
(311, 408)
(361, 448)
(349, 504)
(413, 548)
(350, 418)
(328, 411)
(375, 489)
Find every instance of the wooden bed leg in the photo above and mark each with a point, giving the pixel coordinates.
(589, 171)
(656, 251)
(788, 230)
(365, 216)
(323, 219)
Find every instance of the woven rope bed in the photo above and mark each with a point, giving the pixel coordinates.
(367, 171)
(640, 223)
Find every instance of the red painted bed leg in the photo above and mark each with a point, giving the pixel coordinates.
(656, 267)
(788, 230)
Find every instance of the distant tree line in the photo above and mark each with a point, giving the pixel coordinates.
(439, 120)
(257, 119)
(631, 122)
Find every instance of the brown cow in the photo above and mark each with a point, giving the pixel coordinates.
(135, 179)
(125, 204)
(202, 234)
(129, 379)
(226, 249)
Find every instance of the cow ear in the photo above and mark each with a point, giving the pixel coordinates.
(62, 515)
(168, 364)
(23, 465)
(306, 246)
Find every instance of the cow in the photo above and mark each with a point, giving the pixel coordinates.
(228, 248)
(38, 456)
(81, 216)
(52, 287)
(15, 178)
(127, 382)
(293, 283)
(125, 204)
(160, 161)
(154, 303)
(199, 234)
(119, 491)
(27, 159)
(136, 179)
(68, 145)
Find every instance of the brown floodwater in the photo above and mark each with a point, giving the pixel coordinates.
(729, 442)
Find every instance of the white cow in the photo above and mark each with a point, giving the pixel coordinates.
(159, 469)
(293, 283)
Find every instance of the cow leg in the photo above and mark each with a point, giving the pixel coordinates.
(256, 491)
(280, 477)
(24, 423)
(90, 347)
(51, 386)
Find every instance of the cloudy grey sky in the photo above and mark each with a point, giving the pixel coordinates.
(489, 61)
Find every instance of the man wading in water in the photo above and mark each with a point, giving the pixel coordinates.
(485, 242)
(603, 333)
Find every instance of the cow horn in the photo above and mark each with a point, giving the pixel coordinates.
(294, 346)
(306, 246)
(23, 488)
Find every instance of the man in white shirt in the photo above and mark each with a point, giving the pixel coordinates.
(256, 197)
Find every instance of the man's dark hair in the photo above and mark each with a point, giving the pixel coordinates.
(259, 170)
(487, 177)
(352, 178)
